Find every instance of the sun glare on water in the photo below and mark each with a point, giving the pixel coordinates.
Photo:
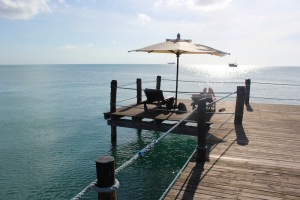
(220, 71)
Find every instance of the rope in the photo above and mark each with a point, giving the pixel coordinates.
(199, 92)
(125, 88)
(127, 84)
(184, 166)
(282, 84)
(221, 99)
(107, 189)
(218, 159)
(148, 81)
(178, 174)
(275, 98)
(202, 81)
(93, 185)
(142, 152)
(150, 146)
(220, 126)
(126, 99)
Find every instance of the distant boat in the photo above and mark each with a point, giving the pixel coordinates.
(171, 63)
(233, 65)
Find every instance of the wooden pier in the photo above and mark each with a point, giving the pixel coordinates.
(254, 155)
(259, 159)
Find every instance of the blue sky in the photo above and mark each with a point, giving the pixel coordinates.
(256, 32)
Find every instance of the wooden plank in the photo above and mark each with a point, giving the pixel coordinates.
(266, 167)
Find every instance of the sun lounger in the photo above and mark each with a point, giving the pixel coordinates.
(156, 97)
(209, 99)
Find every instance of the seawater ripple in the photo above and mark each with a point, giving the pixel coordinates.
(52, 128)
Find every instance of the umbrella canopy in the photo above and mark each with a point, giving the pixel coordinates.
(180, 46)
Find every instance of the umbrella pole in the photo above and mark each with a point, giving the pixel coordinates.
(177, 55)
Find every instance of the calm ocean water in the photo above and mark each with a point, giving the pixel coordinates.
(52, 127)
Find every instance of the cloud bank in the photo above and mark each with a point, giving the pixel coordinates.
(22, 10)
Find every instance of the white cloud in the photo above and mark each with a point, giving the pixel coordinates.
(19, 9)
(206, 5)
(143, 18)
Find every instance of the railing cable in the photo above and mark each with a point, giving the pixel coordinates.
(135, 157)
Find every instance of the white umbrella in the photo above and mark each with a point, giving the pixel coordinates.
(179, 46)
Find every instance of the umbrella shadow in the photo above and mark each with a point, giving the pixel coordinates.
(241, 136)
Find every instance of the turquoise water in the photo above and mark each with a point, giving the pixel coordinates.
(52, 127)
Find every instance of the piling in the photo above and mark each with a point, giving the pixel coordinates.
(201, 149)
(247, 97)
(138, 91)
(113, 107)
(239, 106)
(158, 82)
(105, 169)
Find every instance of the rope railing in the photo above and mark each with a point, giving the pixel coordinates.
(190, 158)
(155, 142)
(280, 84)
(172, 91)
(126, 88)
(222, 98)
(126, 99)
(139, 154)
(279, 99)
(133, 83)
(127, 84)
(235, 82)
(196, 81)
(148, 148)
(232, 82)
(178, 174)
(151, 145)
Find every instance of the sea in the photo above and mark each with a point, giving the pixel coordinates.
(52, 127)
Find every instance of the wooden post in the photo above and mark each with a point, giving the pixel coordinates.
(239, 106)
(158, 82)
(113, 106)
(113, 95)
(113, 134)
(247, 84)
(201, 149)
(105, 169)
(138, 91)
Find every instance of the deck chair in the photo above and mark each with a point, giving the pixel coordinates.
(209, 99)
(156, 97)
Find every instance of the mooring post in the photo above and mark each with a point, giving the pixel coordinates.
(158, 82)
(113, 107)
(113, 95)
(239, 106)
(138, 91)
(105, 169)
(201, 149)
(247, 84)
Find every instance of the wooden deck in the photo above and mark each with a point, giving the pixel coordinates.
(258, 160)
(134, 116)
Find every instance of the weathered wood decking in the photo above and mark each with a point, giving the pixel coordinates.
(258, 160)
(135, 116)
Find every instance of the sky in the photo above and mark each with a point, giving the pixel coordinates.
(256, 32)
